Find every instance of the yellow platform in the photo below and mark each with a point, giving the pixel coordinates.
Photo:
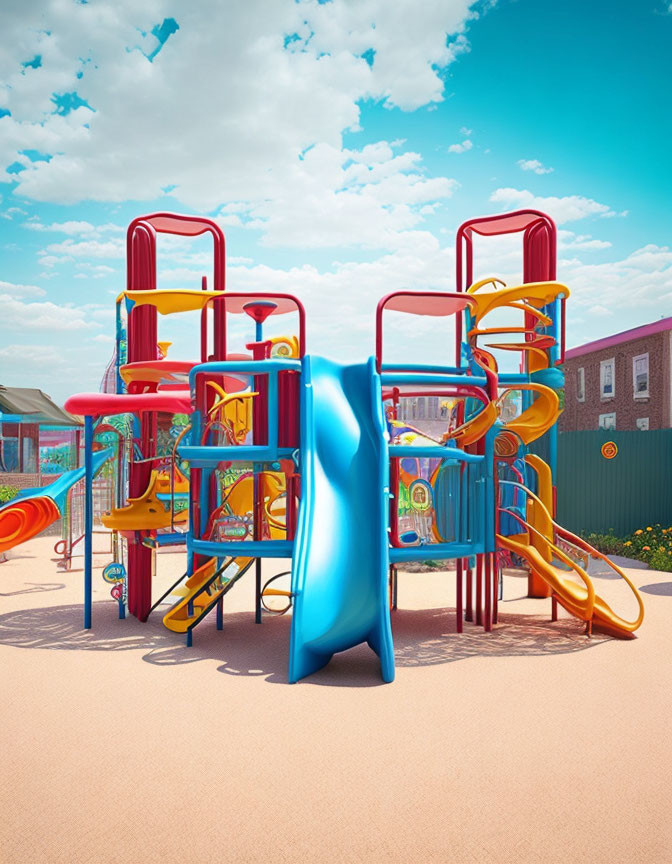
(147, 512)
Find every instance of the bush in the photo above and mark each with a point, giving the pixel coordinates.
(652, 545)
(661, 559)
(7, 493)
(653, 539)
(607, 544)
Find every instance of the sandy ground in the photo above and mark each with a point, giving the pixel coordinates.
(530, 744)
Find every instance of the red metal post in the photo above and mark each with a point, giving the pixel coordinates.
(487, 623)
(469, 610)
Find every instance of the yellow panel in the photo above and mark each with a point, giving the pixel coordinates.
(147, 512)
(166, 302)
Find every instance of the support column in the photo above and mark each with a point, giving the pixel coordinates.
(88, 520)
(458, 596)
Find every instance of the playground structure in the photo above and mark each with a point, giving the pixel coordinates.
(287, 455)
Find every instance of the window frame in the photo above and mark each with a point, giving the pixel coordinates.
(635, 393)
(581, 390)
(603, 366)
(606, 428)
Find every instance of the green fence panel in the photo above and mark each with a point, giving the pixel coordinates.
(630, 491)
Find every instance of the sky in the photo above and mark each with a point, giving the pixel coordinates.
(339, 145)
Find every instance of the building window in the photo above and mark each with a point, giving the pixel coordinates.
(607, 376)
(642, 423)
(581, 384)
(607, 421)
(640, 375)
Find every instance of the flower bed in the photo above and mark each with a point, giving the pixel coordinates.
(651, 544)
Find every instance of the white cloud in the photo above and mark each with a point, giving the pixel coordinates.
(633, 291)
(49, 260)
(566, 209)
(534, 165)
(21, 290)
(42, 315)
(461, 148)
(75, 227)
(371, 198)
(341, 301)
(56, 371)
(570, 240)
(33, 357)
(11, 212)
(93, 271)
(310, 89)
(85, 249)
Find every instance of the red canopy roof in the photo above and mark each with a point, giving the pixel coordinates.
(435, 303)
(103, 404)
(503, 223)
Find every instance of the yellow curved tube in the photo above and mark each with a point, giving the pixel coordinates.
(539, 417)
(237, 423)
(489, 280)
(537, 358)
(475, 428)
(537, 294)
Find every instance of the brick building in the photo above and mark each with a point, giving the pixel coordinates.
(620, 382)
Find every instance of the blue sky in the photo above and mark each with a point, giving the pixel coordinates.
(339, 144)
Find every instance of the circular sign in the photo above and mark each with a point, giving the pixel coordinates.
(114, 573)
(420, 495)
(609, 450)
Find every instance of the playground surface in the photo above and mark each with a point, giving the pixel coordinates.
(529, 744)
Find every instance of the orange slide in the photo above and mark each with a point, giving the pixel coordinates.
(577, 597)
(23, 519)
(33, 510)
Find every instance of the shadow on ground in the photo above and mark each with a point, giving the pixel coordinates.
(422, 638)
(35, 588)
(662, 589)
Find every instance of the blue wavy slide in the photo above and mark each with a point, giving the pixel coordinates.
(340, 566)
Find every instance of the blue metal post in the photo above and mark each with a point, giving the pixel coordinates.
(88, 519)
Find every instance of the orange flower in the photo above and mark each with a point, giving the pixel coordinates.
(638, 532)
(646, 548)
(649, 528)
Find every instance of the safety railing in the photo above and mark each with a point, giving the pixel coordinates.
(206, 455)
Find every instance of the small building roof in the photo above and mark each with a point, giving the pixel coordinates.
(35, 406)
(642, 332)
